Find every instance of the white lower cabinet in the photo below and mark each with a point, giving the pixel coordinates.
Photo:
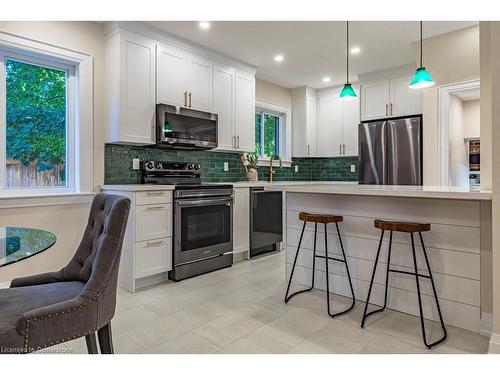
(241, 221)
(153, 257)
(153, 221)
(147, 246)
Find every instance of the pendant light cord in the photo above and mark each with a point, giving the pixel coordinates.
(421, 38)
(347, 54)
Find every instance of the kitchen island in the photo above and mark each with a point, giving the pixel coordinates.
(461, 226)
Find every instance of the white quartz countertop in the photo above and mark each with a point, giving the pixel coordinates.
(137, 187)
(442, 192)
(237, 184)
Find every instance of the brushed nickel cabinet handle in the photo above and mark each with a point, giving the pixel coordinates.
(343, 149)
(190, 99)
(154, 243)
(340, 149)
(155, 193)
(386, 110)
(238, 142)
(308, 150)
(155, 207)
(185, 99)
(391, 109)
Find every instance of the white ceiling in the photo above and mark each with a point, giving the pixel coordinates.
(311, 50)
(468, 95)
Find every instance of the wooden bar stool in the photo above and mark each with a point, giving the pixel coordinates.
(397, 226)
(324, 219)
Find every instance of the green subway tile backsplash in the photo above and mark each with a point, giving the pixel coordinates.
(118, 165)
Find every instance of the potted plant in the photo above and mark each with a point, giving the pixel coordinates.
(250, 163)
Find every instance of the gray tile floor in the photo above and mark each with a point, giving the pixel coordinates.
(241, 310)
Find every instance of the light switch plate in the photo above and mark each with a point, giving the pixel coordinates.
(226, 166)
(135, 164)
(353, 168)
(296, 169)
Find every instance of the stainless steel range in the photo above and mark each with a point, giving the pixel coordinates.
(203, 218)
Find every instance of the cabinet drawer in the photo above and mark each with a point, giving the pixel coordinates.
(152, 257)
(153, 197)
(153, 221)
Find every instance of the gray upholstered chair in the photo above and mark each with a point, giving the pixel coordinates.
(78, 300)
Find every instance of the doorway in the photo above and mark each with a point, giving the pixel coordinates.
(460, 135)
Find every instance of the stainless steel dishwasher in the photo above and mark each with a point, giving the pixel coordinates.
(266, 220)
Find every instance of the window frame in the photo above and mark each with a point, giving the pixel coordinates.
(284, 136)
(70, 123)
(83, 128)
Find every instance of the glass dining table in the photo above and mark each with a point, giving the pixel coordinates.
(17, 243)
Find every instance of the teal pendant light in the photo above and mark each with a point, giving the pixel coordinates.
(347, 92)
(422, 78)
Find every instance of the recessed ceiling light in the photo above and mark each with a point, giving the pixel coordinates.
(205, 25)
(326, 79)
(355, 50)
(279, 58)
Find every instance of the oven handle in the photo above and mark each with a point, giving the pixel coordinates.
(204, 202)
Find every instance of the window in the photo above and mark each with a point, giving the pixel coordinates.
(271, 128)
(267, 130)
(38, 128)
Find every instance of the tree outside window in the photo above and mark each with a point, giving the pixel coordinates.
(267, 132)
(36, 125)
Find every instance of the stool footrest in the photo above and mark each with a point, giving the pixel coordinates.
(410, 273)
(331, 258)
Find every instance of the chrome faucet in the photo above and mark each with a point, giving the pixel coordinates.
(271, 170)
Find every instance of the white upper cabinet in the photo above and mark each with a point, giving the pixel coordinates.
(323, 125)
(389, 98)
(142, 71)
(130, 88)
(199, 87)
(350, 125)
(329, 126)
(171, 76)
(312, 126)
(223, 105)
(183, 79)
(304, 117)
(375, 98)
(244, 106)
(404, 100)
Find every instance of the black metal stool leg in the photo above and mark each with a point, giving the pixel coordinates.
(445, 333)
(314, 255)
(287, 297)
(348, 276)
(388, 270)
(327, 275)
(365, 314)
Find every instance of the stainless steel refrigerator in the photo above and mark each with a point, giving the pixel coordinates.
(390, 151)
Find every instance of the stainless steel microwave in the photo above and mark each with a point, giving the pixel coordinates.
(184, 128)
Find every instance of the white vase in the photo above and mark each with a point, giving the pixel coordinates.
(252, 176)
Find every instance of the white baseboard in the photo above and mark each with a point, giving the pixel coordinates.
(494, 344)
(486, 324)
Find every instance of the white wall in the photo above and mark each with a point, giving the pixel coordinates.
(271, 93)
(450, 58)
(68, 221)
(472, 123)
(458, 155)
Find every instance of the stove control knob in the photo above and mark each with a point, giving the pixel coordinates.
(190, 167)
(196, 167)
(158, 166)
(150, 165)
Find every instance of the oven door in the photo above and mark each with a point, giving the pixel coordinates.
(203, 228)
